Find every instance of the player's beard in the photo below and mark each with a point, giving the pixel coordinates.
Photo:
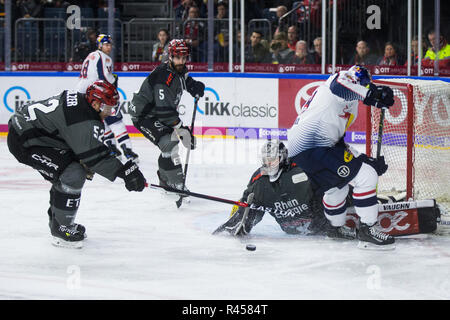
(178, 67)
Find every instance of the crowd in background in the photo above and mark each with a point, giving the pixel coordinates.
(284, 45)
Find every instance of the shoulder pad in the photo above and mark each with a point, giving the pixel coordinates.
(256, 175)
(77, 111)
(161, 75)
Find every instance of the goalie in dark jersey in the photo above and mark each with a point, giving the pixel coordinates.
(283, 190)
(62, 138)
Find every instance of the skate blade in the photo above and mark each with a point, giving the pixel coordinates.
(370, 246)
(57, 242)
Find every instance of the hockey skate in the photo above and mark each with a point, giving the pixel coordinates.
(341, 233)
(76, 226)
(371, 238)
(129, 154)
(178, 186)
(66, 236)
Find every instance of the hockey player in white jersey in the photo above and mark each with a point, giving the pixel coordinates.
(98, 65)
(316, 144)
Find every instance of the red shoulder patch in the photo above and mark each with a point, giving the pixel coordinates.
(256, 177)
(293, 164)
(169, 79)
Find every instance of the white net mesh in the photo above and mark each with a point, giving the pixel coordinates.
(430, 135)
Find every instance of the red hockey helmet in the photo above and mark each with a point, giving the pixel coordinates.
(178, 47)
(103, 92)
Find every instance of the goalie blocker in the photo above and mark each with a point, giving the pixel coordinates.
(403, 218)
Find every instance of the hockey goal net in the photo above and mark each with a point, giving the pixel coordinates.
(415, 140)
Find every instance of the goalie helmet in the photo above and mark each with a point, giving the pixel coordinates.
(105, 93)
(274, 157)
(178, 47)
(360, 75)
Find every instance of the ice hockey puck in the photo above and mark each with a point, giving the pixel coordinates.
(251, 247)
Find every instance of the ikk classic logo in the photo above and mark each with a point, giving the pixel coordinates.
(214, 106)
(15, 97)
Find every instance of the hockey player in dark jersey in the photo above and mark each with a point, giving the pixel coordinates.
(283, 190)
(62, 138)
(153, 111)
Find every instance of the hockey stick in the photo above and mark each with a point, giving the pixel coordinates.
(380, 132)
(217, 199)
(197, 195)
(180, 200)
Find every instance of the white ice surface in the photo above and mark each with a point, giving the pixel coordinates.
(140, 246)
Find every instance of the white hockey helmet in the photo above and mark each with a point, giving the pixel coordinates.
(274, 157)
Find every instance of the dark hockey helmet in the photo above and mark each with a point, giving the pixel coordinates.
(103, 38)
(274, 157)
(103, 92)
(178, 47)
(360, 75)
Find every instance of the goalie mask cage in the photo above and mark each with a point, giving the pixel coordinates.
(415, 140)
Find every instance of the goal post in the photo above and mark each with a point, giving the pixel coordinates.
(416, 140)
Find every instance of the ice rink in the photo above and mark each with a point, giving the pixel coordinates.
(140, 246)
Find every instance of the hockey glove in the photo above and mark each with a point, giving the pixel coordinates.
(379, 96)
(133, 177)
(379, 164)
(196, 88)
(186, 137)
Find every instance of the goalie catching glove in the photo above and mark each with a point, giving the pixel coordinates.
(133, 177)
(379, 96)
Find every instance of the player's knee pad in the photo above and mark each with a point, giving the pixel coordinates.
(364, 187)
(72, 179)
(169, 149)
(335, 205)
(365, 194)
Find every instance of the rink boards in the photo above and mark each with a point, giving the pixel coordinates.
(235, 105)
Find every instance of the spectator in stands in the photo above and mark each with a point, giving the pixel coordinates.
(221, 47)
(279, 25)
(221, 26)
(256, 52)
(317, 53)
(181, 12)
(362, 55)
(391, 57)
(443, 53)
(279, 48)
(415, 50)
(29, 8)
(194, 33)
(292, 36)
(301, 56)
(160, 48)
(82, 50)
